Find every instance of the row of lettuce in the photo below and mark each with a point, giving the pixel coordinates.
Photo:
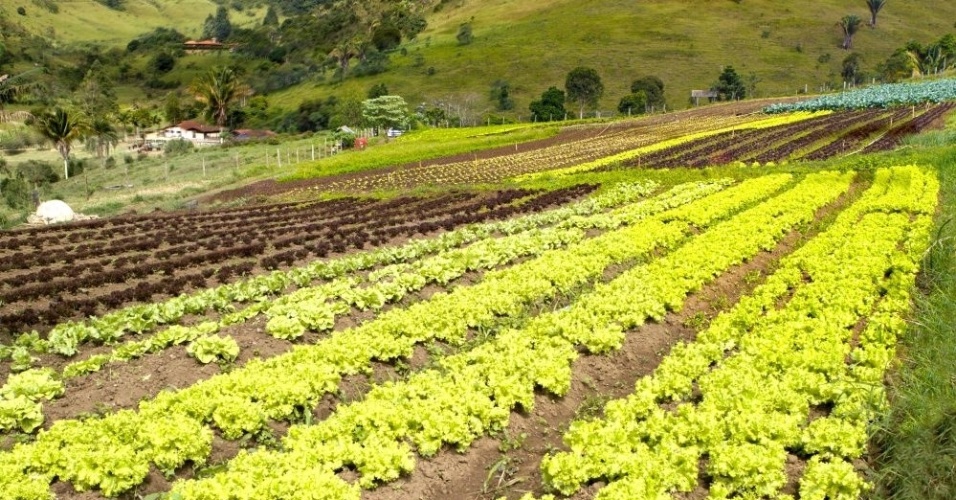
(114, 453)
(794, 371)
(310, 307)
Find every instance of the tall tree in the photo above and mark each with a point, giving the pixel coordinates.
(584, 87)
(62, 128)
(653, 89)
(385, 111)
(101, 138)
(97, 95)
(218, 26)
(271, 19)
(729, 86)
(549, 107)
(218, 91)
(173, 108)
(850, 24)
(342, 54)
(875, 7)
(851, 69)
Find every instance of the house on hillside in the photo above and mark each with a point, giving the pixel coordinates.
(697, 95)
(192, 130)
(206, 46)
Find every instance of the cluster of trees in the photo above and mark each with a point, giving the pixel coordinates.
(583, 88)
(915, 59)
(912, 60)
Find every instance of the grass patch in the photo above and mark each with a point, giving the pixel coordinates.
(918, 437)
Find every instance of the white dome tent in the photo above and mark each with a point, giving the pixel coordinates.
(54, 211)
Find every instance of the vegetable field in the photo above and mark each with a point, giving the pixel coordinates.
(710, 333)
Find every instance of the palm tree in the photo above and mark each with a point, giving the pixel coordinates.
(218, 90)
(12, 86)
(875, 7)
(850, 25)
(343, 54)
(101, 138)
(61, 127)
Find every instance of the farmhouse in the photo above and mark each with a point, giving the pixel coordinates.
(696, 95)
(205, 46)
(192, 130)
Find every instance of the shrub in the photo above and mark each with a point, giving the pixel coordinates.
(38, 172)
(16, 192)
(178, 147)
(76, 166)
(464, 34)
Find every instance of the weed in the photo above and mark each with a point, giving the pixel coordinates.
(507, 442)
(753, 277)
(696, 322)
(591, 407)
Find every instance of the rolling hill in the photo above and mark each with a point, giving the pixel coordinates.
(532, 45)
(780, 47)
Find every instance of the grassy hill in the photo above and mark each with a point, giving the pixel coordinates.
(783, 47)
(532, 45)
(91, 22)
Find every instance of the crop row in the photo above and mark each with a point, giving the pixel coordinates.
(688, 136)
(856, 138)
(114, 453)
(843, 132)
(66, 338)
(792, 374)
(733, 148)
(788, 141)
(316, 308)
(895, 136)
(184, 239)
(126, 225)
(877, 96)
(473, 393)
(174, 274)
(486, 170)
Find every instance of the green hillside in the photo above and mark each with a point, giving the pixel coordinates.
(534, 44)
(91, 22)
(780, 48)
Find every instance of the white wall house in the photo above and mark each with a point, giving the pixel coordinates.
(193, 131)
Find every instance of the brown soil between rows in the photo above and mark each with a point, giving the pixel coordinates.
(595, 380)
(123, 385)
(459, 476)
(491, 469)
(103, 290)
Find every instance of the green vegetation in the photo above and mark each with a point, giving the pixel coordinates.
(584, 88)
(534, 45)
(918, 436)
(425, 145)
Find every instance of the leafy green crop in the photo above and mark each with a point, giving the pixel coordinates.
(209, 348)
(877, 96)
